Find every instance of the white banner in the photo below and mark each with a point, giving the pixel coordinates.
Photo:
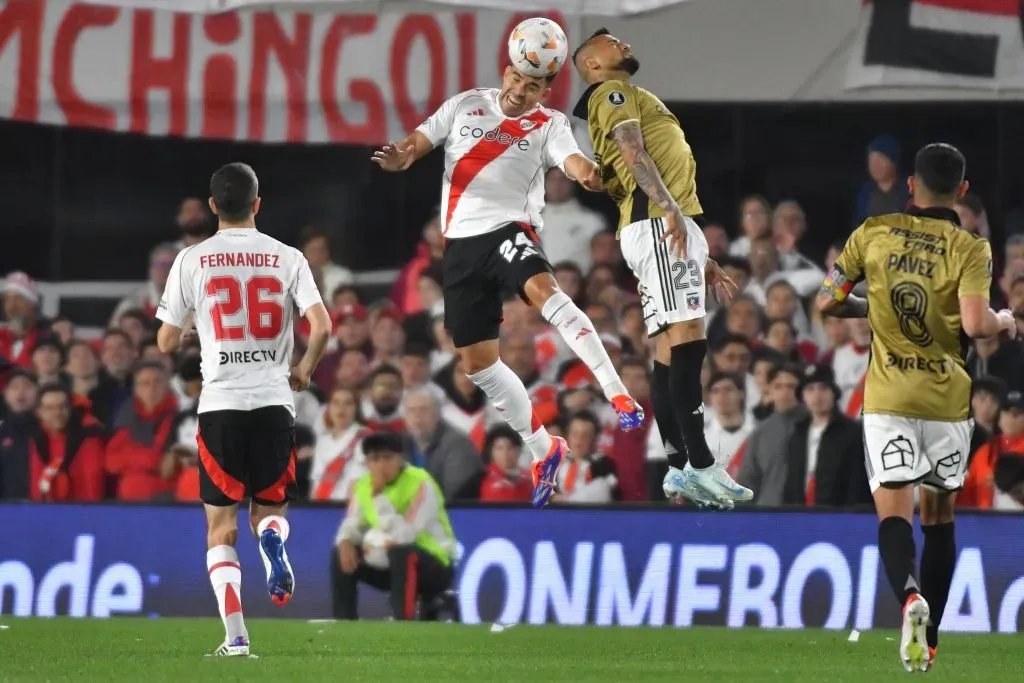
(566, 7)
(282, 76)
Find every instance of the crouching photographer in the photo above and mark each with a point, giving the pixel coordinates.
(395, 537)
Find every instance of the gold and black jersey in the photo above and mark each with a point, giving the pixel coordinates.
(612, 103)
(918, 265)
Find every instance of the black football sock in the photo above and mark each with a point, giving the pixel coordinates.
(665, 416)
(938, 560)
(896, 546)
(684, 381)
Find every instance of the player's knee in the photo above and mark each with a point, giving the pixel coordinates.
(478, 357)
(540, 288)
(936, 507)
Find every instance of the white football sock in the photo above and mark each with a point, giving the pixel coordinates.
(506, 391)
(226, 579)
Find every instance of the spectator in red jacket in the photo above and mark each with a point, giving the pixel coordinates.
(505, 481)
(142, 436)
(405, 292)
(24, 329)
(66, 453)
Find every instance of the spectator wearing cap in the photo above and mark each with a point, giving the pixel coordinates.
(338, 459)
(193, 222)
(973, 217)
(452, 460)
(351, 331)
(66, 452)
(90, 387)
(417, 326)
(763, 465)
(755, 212)
(430, 251)
(825, 450)
(382, 408)
(48, 362)
(886, 190)
(315, 245)
(18, 423)
(587, 476)
(24, 329)
(505, 480)
(142, 437)
(730, 424)
(980, 489)
(631, 451)
(462, 402)
(568, 225)
(387, 337)
(147, 297)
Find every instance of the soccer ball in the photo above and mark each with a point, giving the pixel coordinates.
(537, 47)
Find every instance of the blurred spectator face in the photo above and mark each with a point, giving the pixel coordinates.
(860, 331)
(718, 241)
(780, 301)
(733, 358)
(638, 384)
(341, 411)
(788, 223)
(64, 329)
(82, 361)
(577, 400)
(612, 297)
(764, 258)
(20, 394)
(819, 398)
(1011, 422)
(754, 218)
(603, 248)
(762, 368)
(432, 236)
(430, 292)
(387, 336)
(969, 220)
(599, 278)
(352, 369)
(880, 167)
(782, 391)
(193, 217)
(386, 393)
(1013, 269)
(415, 370)
(582, 438)
(46, 360)
(421, 416)
(557, 187)
(19, 309)
(54, 411)
(780, 337)
(133, 327)
(150, 387)
(601, 316)
(505, 454)
(519, 352)
(738, 275)
(317, 251)
(160, 267)
(743, 317)
(351, 331)
(726, 399)
(117, 355)
(836, 331)
(568, 281)
(344, 297)
(1016, 299)
(985, 408)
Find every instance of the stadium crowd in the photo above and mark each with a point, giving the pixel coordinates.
(114, 418)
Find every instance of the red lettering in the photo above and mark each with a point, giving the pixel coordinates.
(167, 73)
(78, 111)
(411, 27)
(275, 257)
(465, 25)
(220, 78)
(24, 18)
(293, 56)
(558, 98)
(220, 260)
(361, 90)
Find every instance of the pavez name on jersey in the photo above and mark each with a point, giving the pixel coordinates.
(918, 265)
(494, 165)
(607, 105)
(242, 286)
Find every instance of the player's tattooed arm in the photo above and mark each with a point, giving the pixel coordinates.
(853, 307)
(835, 299)
(630, 141)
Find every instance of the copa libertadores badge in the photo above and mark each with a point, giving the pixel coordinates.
(616, 98)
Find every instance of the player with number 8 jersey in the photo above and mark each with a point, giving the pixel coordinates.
(241, 286)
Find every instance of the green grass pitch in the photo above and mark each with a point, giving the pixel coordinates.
(172, 650)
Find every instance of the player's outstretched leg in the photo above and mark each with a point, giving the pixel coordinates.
(226, 578)
(272, 531)
(510, 397)
(938, 558)
(578, 332)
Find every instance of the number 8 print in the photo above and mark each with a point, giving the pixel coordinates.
(910, 302)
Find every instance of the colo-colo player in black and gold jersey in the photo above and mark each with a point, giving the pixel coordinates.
(648, 169)
(927, 284)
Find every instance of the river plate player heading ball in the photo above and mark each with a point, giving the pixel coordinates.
(498, 143)
(927, 280)
(649, 170)
(241, 287)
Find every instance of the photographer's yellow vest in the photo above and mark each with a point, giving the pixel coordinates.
(402, 492)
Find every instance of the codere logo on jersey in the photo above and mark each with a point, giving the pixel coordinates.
(495, 135)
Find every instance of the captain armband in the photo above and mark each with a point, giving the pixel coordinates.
(837, 285)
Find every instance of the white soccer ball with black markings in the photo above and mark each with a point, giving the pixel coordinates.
(537, 47)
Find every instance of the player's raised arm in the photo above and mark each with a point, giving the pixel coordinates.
(174, 308)
(834, 297)
(976, 318)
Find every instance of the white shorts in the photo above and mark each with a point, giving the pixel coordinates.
(671, 290)
(910, 450)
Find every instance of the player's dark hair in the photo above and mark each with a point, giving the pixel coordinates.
(599, 32)
(382, 370)
(383, 442)
(234, 188)
(940, 167)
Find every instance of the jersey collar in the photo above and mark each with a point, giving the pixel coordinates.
(938, 212)
(580, 110)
